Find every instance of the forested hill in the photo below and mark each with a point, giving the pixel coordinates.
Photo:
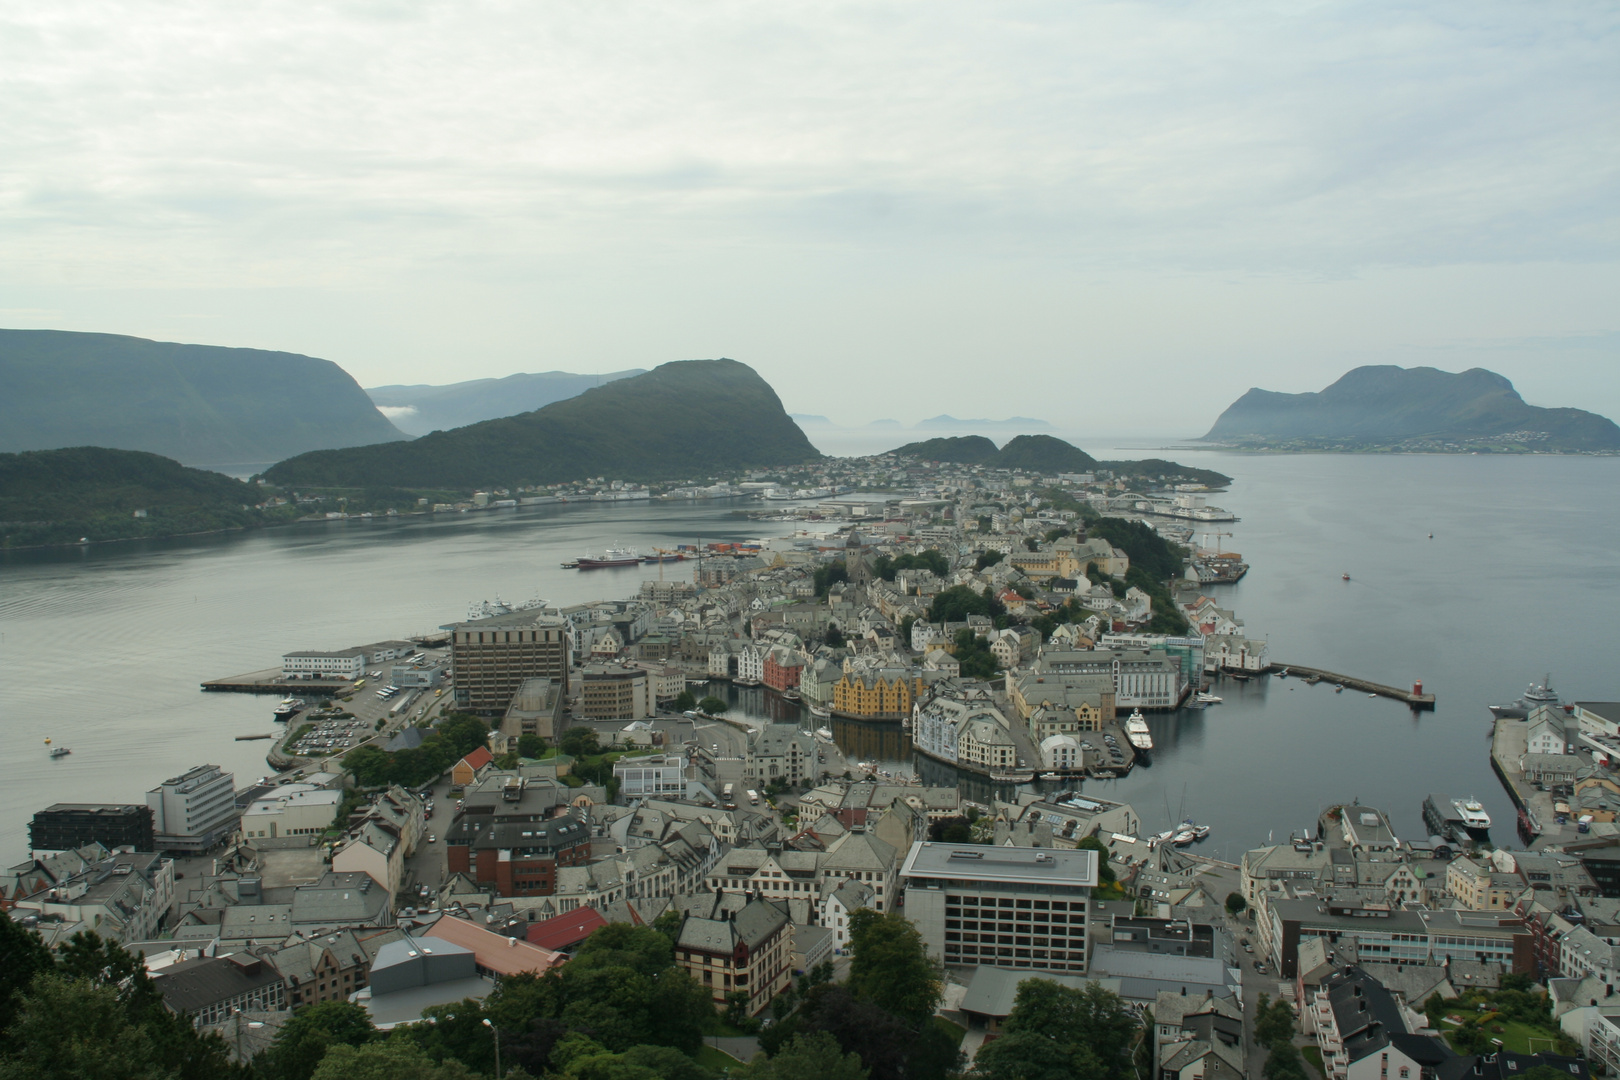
(418, 410)
(58, 496)
(1047, 454)
(1393, 408)
(199, 404)
(691, 418)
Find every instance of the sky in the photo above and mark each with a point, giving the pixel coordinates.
(1113, 216)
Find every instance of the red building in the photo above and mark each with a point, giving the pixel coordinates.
(782, 670)
(518, 858)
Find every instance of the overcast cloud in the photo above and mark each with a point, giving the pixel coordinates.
(887, 209)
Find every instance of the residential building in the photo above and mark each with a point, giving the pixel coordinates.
(884, 694)
(123, 896)
(208, 989)
(1005, 906)
(471, 768)
(193, 811)
(839, 903)
(517, 858)
(782, 668)
(66, 826)
(312, 663)
(749, 950)
(492, 658)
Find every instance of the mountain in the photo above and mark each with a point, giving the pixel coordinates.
(59, 496)
(691, 418)
(196, 403)
(810, 419)
(417, 410)
(1388, 407)
(1021, 423)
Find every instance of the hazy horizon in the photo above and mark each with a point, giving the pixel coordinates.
(887, 210)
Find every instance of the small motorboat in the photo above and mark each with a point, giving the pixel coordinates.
(1346, 577)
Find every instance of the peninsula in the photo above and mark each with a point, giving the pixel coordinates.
(1414, 410)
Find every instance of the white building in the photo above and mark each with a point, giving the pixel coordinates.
(291, 810)
(1060, 752)
(751, 664)
(347, 664)
(195, 810)
(659, 775)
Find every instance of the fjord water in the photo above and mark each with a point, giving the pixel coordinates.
(103, 647)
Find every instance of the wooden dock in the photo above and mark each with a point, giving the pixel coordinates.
(1349, 682)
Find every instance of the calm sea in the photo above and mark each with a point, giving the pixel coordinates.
(102, 648)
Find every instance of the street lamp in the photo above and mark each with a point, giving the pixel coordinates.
(495, 1031)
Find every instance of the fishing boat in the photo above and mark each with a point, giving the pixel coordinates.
(1346, 576)
(60, 751)
(612, 557)
(659, 555)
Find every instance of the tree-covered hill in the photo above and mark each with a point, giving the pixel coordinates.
(200, 404)
(418, 410)
(1049, 455)
(58, 496)
(690, 418)
(957, 449)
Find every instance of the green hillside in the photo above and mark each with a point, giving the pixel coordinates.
(1043, 453)
(1047, 454)
(691, 418)
(58, 496)
(418, 410)
(958, 449)
(1387, 407)
(199, 404)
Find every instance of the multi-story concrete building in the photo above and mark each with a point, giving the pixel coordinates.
(492, 657)
(66, 826)
(518, 858)
(291, 810)
(1005, 906)
(1052, 704)
(193, 811)
(1142, 678)
(343, 664)
(616, 692)
(659, 775)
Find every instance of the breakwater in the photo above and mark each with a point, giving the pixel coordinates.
(1349, 682)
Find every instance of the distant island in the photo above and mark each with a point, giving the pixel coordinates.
(1017, 423)
(1413, 410)
(683, 419)
(420, 410)
(200, 404)
(1048, 454)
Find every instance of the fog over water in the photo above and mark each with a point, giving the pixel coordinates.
(103, 648)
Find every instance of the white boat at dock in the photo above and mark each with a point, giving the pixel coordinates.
(1136, 730)
(1203, 697)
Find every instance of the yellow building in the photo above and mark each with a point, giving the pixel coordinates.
(1062, 704)
(882, 695)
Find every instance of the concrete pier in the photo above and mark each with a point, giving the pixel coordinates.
(1349, 682)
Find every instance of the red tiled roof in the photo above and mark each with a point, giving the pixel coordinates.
(478, 758)
(566, 930)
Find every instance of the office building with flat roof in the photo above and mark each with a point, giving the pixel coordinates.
(195, 810)
(493, 657)
(67, 826)
(1006, 906)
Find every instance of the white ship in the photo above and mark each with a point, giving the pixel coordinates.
(1472, 814)
(1136, 730)
(1205, 698)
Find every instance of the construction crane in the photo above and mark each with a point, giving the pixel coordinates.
(1217, 536)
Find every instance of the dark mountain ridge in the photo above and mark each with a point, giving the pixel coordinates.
(420, 409)
(201, 404)
(1049, 454)
(689, 418)
(1377, 406)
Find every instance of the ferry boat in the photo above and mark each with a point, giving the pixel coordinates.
(1450, 818)
(610, 558)
(1535, 695)
(1136, 730)
(287, 708)
(1206, 698)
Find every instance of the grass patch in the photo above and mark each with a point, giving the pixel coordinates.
(714, 1060)
(1313, 1055)
(716, 1025)
(955, 1031)
(1517, 1038)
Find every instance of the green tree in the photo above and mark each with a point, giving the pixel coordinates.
(1469, 1039)
(1284, 1063)
(834, 636)
(905, 629)
(1052, 1028)
(531, 745)
(987, 559)
(1235, 903)
(956, 603)
(398, 1058)
(303, 1041)
(1273, 1023)
(830, 574)
(23, 955)
(713, 706)
(890, 966)
(1105, 871)
(643, 949)
(463, 733)
(369, 765)
(816, 1056)
(685, 701)
(579, 742)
